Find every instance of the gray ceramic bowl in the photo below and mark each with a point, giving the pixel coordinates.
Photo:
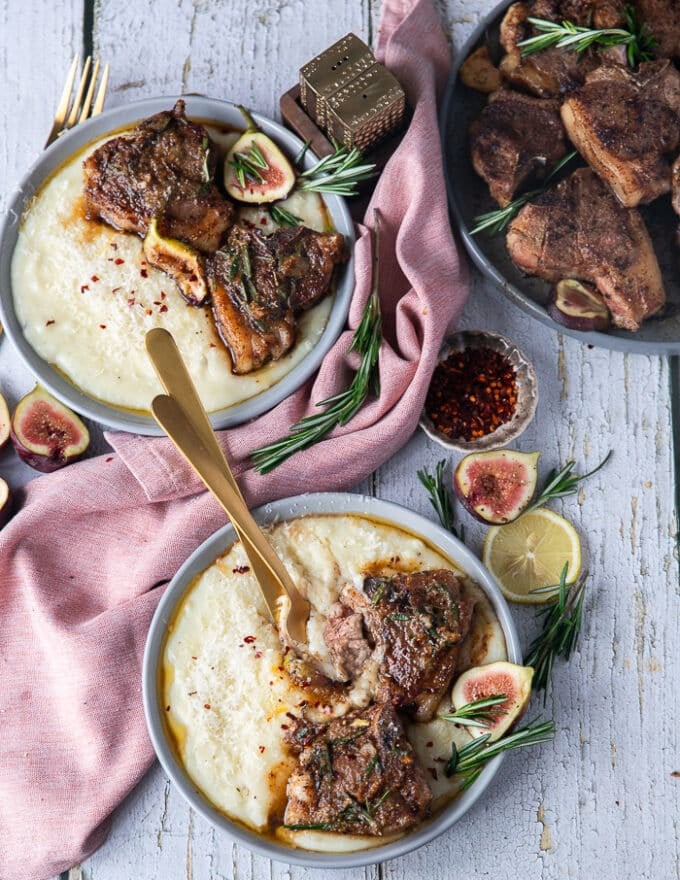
(203, 557)
(469, 196)
(125, 117)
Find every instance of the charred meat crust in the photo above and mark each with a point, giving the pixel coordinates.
(516, 139)
(580, 230)
(356, 775)
(164, 168)
(259, 284)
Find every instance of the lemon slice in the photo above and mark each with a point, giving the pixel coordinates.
(530, 553)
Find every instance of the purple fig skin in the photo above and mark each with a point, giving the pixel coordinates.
(494, 679)
(5, 502)
(496, 487)
(4, 421)
(46, 434)
(578, 306)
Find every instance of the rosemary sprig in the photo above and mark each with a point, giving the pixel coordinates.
(478, 713)
(468, 761)
(558, 484)
(248, 165)
(637, 38)
(342, 407)
(284, 217)
(560, 629)
(496, 221)
(440, 498)
(339, 173)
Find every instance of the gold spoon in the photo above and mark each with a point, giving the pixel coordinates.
(181, 415)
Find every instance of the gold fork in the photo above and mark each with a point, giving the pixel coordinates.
(71, 112)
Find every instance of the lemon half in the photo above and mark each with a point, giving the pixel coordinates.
(530, 553)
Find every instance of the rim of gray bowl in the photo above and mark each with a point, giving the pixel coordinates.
(124, 116)
(201, 558)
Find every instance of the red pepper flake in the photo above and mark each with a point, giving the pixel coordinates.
(162, 294)
(472, 393)
(258, 654)
(433, 773)
(260, 749)
(110, 458)
(103, 326)
(119, 261)
(143, 273)
(113, 245)
(249, 639)
(156, 302)
(94, 278)
(206, 705)
(241, 569)
(51, 321)
(194, 658)
(212, 345)
(131, 300)
(163, 308)
(148, 312)
(115, 289)
(284, 726)
(83, 288)
(263, 221)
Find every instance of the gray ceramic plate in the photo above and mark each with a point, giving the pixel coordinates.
(120, 117)
(203, 557)
(468, 197)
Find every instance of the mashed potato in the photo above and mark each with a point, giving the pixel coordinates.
(226, 690)
(85, 299)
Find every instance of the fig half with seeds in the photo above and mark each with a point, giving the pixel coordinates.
(5, 502)
(4, 421)
(495, 679)
(497, 486)
(255, 170)
(578, 306)
(46, 434)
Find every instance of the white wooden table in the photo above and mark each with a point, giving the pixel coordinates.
(601, 800)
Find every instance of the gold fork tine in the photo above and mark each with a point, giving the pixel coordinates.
(101, 94)
(73, 116)
(90, 93)
(62, 109)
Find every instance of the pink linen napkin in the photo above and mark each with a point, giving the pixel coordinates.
(82, 563)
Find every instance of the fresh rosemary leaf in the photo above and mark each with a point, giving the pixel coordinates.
(284, 217)
(342, 407)
(496, 221)
(478, 713)
(440, 497)
(636, 37)
(560, 629)
(558, 484)
(248, 165)
(339, 173)
(468, 761)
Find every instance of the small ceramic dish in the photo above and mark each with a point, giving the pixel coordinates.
(527, 392)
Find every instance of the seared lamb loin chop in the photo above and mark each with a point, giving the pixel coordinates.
(516, 138)
(580, 230)
(356, 775)
(625, 124)
(552, 72)
(260, 283)
(163, 169)
(417, 623)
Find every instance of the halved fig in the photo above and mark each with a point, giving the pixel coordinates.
(495, 679)
(46, 434)
(180, 261)
(578, 306)
(4, 421)
(5, 502)
(497, 486)
(255, 170)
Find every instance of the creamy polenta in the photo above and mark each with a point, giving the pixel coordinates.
(226, 691)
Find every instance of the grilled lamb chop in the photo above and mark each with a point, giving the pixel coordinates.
(259, 284)
(551, 72)
(516, 138)
(663, 20)
(356, 775)
(625, 124)
(347, 644)
(164, 168)
(580, 230)
(417, 623)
